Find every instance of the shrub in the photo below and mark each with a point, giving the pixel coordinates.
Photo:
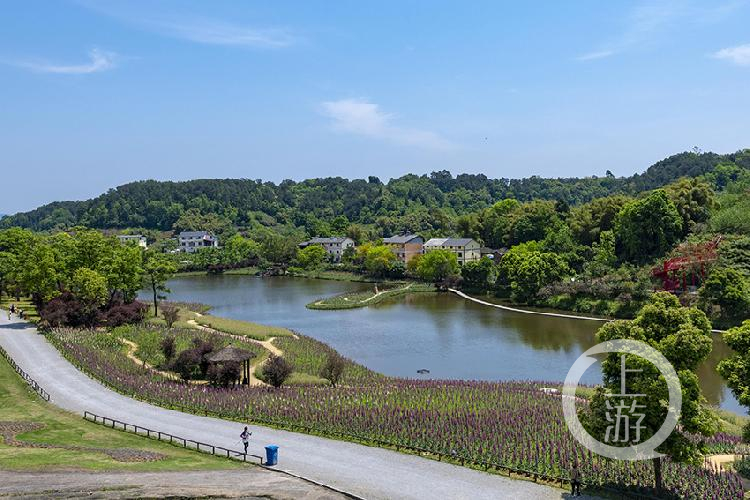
(203, 349)
(223, 374)
(187, 364)
(333, 369)
(67, 310)
(742, 467)
(170, 313)
(168, 348)
(124, 314)
(276, 370)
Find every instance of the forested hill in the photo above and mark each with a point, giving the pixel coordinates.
(158, 205)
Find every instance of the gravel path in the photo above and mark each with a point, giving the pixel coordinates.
(364, 471)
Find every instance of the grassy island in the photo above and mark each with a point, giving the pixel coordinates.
(351, 300)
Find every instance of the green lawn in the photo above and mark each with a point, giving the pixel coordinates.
(244, 328)
(19, 404)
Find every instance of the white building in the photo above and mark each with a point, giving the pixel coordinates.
(333, 246)
(466, 249)
(190, 241)
(139, 239)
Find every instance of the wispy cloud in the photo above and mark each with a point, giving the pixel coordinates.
(648, 22)
(220, 33)
(99, 61)
(739, 55)
(192, 28)
(360, 117)
(599, 54)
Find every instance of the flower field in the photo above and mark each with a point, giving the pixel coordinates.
(485, 424)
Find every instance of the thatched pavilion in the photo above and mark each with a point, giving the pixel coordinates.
(231, 353)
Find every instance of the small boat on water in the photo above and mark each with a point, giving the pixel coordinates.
(423, 371)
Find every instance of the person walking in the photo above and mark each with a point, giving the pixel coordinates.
(575, 481)
(245, 436)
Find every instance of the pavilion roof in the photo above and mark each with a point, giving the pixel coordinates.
(231, 353)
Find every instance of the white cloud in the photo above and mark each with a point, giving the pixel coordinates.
(599, 54)
(220, 33)
(155, 18)
(648, 22)
(360, 117)
(739, 55)
(99, 61)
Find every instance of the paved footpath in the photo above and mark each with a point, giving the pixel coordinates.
(364, 471)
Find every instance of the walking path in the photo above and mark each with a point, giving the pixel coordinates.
(540, 313)
(133, 348)
(524, 311)
(364, 471)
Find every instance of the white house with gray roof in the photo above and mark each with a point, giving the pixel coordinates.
(192, 241)
(466, 249)
(334, 246)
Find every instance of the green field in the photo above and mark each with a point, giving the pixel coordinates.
(21, 409)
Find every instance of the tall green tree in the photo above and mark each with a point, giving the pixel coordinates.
(238, 249)
(736, 369)
(90, 287)
(379, 260)
(647, 228)
(437, 265)
(683, 336)
(311, 257)
(39, 273)
(725, 296)
(479, 275)
(694, 198)
(158, 269)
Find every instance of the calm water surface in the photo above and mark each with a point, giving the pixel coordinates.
(450, 336)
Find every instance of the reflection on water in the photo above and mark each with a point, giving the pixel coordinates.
(450, 336)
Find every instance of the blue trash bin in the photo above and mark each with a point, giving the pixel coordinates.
(272, 454)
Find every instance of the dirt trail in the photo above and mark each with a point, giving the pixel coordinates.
(132, 348)
(266, 344)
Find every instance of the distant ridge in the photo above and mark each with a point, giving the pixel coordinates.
(158, 204)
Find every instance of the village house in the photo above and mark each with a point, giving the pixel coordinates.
(466, 249)
(138, 239)
(405, 246)
(334, 246)
(191, 241)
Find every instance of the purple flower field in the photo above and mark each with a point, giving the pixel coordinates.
(510, 424)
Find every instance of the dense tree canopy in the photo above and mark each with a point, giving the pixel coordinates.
(683, 336)
(647, 228)
(327, 204)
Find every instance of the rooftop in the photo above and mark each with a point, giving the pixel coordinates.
(231, 353)
(400, 239)
(195, 234)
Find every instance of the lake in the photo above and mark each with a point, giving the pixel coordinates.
(450, 336)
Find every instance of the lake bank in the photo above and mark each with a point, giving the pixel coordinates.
(450, 336)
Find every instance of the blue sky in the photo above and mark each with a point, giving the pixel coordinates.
(94, 94)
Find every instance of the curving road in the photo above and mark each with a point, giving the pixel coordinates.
(360, 470)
